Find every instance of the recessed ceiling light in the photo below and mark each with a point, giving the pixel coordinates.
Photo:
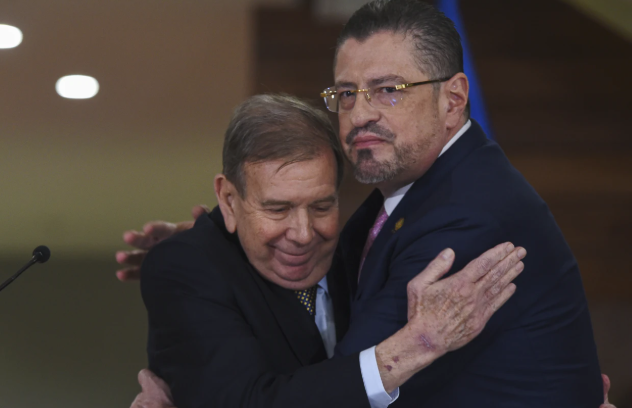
(10, 37)
(77, 87)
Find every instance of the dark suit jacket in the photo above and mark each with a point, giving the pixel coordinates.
(222, 336)
(538, 349)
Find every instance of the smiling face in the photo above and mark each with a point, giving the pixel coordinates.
(287, 220)
(392, 147)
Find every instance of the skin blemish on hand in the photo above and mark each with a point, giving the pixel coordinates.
(425, 342)
(396, 359)
(388, 367)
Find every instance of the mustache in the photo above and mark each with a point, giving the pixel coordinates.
(370, 128)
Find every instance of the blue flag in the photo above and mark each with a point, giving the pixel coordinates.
(451, 9)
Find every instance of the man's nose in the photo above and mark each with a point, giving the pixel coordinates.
(301, 230)
(362, 112)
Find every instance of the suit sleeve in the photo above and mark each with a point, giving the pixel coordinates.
(469, 234)
(200, 343)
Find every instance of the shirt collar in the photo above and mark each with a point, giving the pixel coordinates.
(391, 202)
(323, 284)
(456, 137)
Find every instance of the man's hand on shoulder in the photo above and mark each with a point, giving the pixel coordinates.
(153, 232)
(155, 392)
(445, 314)
(459, 306)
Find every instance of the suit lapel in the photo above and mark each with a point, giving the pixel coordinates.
(340, 297)
(297, 325)
(412, 205)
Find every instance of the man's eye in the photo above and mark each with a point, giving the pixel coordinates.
(386, 89)
(346, 94)
(277, 210)
(323, 209)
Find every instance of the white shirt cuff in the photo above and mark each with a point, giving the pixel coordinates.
(378, 397)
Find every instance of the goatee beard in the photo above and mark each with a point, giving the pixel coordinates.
(367, 170)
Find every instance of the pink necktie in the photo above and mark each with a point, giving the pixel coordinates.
(382, 216)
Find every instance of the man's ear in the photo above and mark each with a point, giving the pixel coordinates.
(456, 89)
(226, 193)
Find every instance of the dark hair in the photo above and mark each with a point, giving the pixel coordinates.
(273, 127)
(438, 43)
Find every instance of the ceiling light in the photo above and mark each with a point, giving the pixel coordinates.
(77, 87)
(10, 37)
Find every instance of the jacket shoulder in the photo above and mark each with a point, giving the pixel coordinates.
(202, 255)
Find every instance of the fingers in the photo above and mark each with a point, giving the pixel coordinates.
(606, 387)
(128, 274)
(435, 269)
(199, 210)
(432, 273)
(153, 232)
(137, 403)
(144, 379)
(134, 258)
(159, 230)
(504, 280)
(511, 266)
(139, 240)
(153, 386)
(184, 225)
(498, 301)
(480, 266)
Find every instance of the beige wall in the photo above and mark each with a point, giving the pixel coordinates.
(75, 174)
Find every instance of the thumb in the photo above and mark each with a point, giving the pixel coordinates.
(438, 267)
(606, 387)
(153, 386)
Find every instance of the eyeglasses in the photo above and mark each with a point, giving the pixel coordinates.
(381, 97)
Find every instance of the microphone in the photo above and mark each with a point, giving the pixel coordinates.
(41, 254)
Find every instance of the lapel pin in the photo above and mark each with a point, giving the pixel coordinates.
(399, 224)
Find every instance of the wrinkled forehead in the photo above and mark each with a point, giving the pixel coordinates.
(381, 55)
(298, 178)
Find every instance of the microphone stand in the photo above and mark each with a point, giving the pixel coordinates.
(18, 273)
(41, 254)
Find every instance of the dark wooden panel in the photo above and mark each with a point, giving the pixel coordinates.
(550, 74)
(590, 196)
(294, 52)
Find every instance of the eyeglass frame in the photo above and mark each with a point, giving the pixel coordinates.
(366, 91)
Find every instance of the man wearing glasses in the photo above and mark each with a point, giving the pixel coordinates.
(402, 104)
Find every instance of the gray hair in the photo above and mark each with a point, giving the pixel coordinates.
(275, 127)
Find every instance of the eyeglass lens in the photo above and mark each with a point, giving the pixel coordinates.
(382, 97)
